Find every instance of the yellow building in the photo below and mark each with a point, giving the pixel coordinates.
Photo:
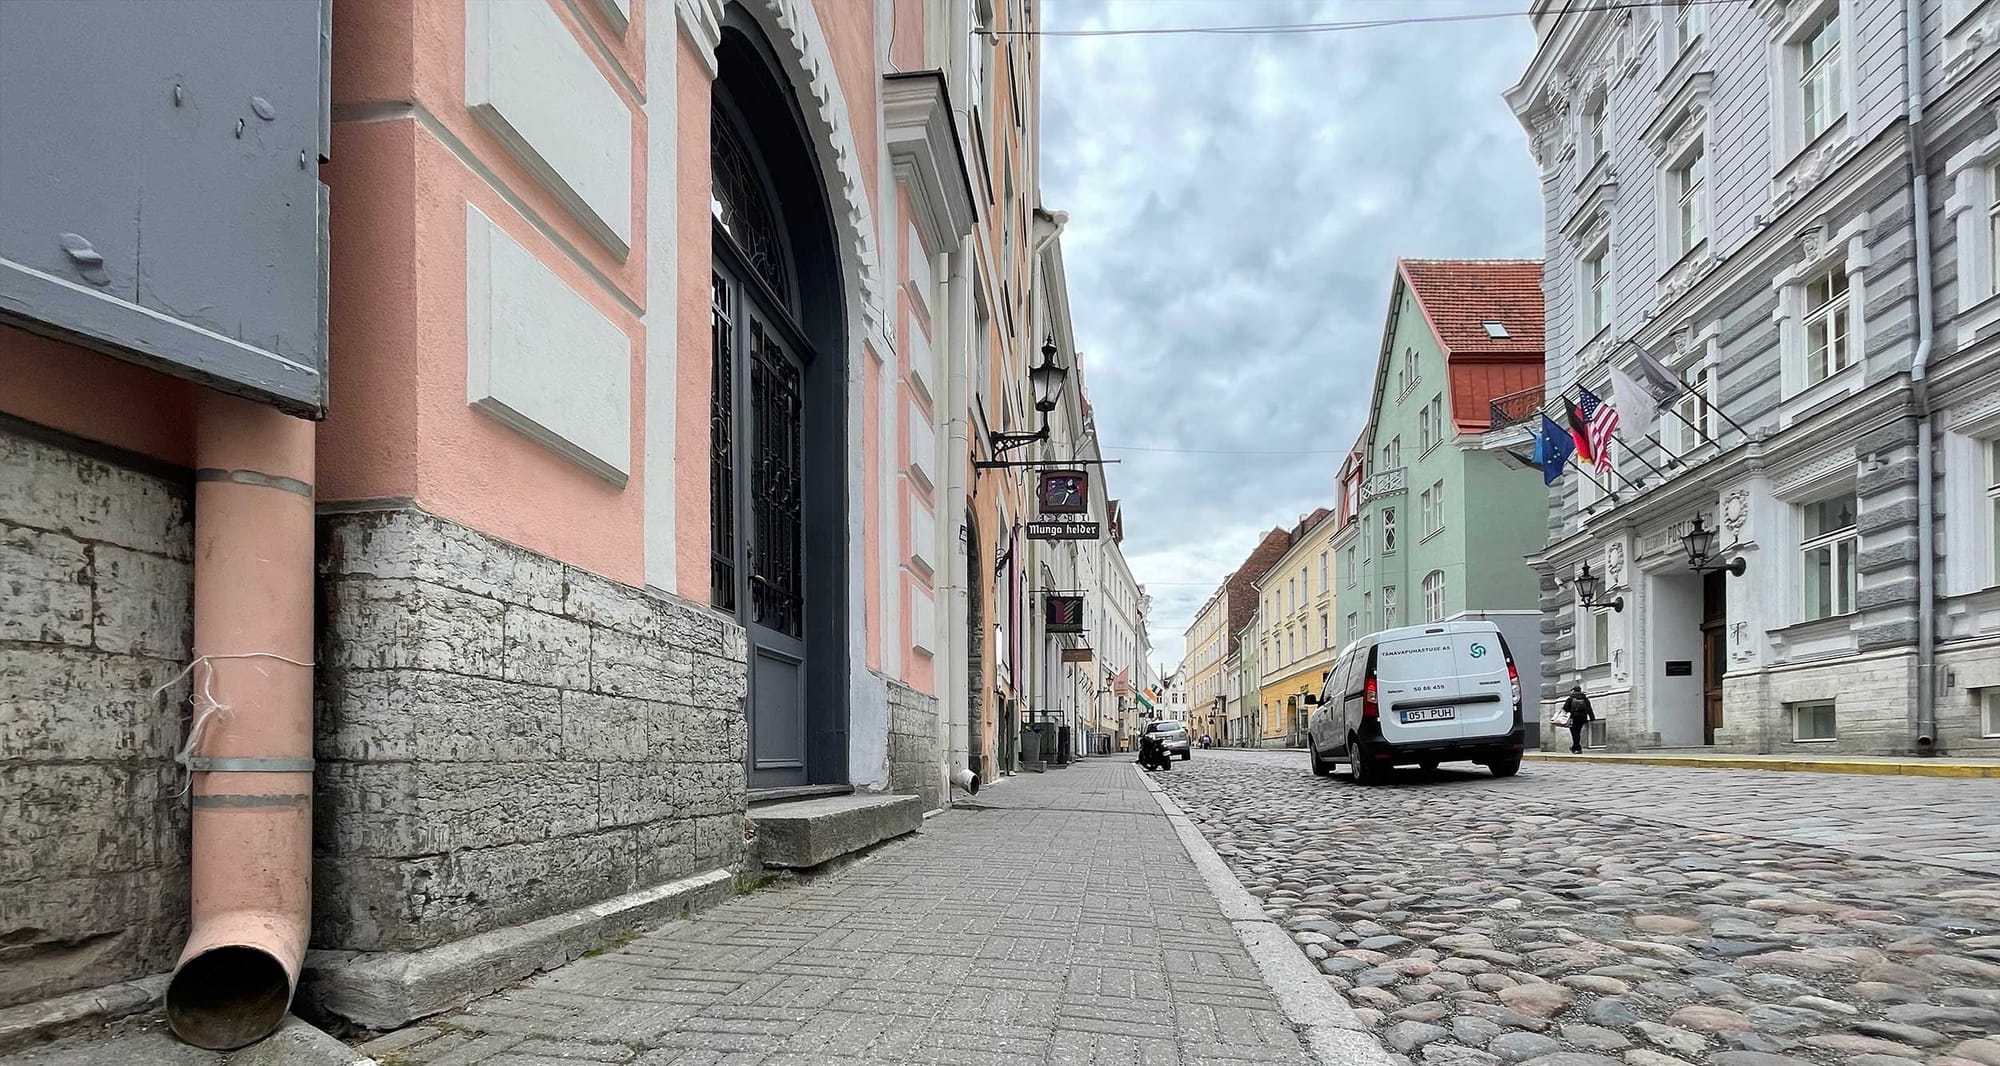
(1296, 637)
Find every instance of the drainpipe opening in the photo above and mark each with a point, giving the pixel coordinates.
(227, 997)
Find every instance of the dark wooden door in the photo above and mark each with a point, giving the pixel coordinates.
(1714, 651)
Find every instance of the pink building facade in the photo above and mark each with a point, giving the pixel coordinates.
(660, 339)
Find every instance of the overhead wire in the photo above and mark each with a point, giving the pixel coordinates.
(1355, 24)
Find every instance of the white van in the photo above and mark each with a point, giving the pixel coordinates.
(1419, 696)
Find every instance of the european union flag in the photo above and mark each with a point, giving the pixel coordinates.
(1553, 446)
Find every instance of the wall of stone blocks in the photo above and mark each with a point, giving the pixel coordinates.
(96, 581)
(1874, 700)
(915, 764)
(503, 737)
(1965, 674)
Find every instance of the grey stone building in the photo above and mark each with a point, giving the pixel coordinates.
(1762, 197)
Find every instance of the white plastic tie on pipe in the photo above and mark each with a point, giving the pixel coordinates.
(206, 705)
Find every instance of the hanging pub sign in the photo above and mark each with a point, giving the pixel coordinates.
(1076, 655)
(1062, 614)
(1063, 529)
(1064, 492)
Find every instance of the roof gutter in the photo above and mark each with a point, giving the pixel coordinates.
(1920, 224)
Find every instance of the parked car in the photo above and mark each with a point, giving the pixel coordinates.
(1419, 695)
(1174, 737)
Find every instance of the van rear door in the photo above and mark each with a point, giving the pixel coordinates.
(1488, 707)
(1417, 684)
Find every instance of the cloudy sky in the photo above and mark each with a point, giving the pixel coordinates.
(1237, 204)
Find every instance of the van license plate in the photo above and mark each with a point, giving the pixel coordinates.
(1430, 714)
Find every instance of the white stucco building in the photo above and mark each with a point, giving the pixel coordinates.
(1762, 197)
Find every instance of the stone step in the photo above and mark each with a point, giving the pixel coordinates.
(800, 834)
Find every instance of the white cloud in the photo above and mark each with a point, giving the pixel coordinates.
(1236, 206)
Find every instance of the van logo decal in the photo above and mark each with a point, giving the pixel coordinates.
(1478, 650)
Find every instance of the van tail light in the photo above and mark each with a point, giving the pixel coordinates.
(1369, 707)
(1514, 683)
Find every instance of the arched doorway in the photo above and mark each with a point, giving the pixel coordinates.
(777, 431)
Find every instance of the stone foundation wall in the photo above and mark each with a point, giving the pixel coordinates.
(96, 581)
(1874, 707)
(1963, 676)
(915, 764)
(503, 737)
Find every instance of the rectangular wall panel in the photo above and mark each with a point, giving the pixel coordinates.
(541, 358)
(923, 448)
(529, 81)
(923, 621)
(923, 536)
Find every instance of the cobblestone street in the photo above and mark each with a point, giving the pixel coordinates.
(1583, 915)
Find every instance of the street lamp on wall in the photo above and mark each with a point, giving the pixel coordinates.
(1699, 541)
(1045, 382)
(1589, 587)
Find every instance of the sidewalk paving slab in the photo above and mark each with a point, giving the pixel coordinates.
(1057, 919)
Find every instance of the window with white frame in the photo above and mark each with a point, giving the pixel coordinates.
(1682, 429)
(1437, 421)
(1432, 502)
(1323, 568)
(1989, 716)
(1992, 479)
(1597, 648)
(1689, 21)
(1829, 546)
(1351, 568)
(1325, 632)
(1392, 453)
(1813, 721)
(1992, 206)
(1822, 82)
(1408, 379)
(1424, 429)
(1388, 531)
(1595, 290)
(1352, 622)
(1595, 143)
(1687, 187)
(1388, 606)
(1434, 596)
(1828, 347)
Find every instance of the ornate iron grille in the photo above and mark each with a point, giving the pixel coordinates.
(721, 444)
(742, 204)
(776, 593)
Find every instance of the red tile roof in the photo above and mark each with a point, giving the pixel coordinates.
(1458, 297)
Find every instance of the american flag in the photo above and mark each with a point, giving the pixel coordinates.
(1600, 422)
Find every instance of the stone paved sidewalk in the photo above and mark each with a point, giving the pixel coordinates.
(1058, 920)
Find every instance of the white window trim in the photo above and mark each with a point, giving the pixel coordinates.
(1805, 544)
(1787, 23)
(1792, 712)
(1989, 713)
(1677, 132)
(1969, 562)
(1437, 614)
(1971, 29)
(1600, 251)
(1970, 173)
(1847, 248)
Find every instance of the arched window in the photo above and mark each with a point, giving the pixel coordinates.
(1434, 596)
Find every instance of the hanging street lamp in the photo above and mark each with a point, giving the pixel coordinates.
(1699, 541)
(1588, 588)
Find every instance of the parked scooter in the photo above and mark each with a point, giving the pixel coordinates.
(1153, 754)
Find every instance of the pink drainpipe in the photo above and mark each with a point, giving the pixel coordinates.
(252, 768)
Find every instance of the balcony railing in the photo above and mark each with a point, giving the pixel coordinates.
(1386, 483)
(1515, 408)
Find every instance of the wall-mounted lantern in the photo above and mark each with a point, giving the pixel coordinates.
(1589, 587)
(1699, 541)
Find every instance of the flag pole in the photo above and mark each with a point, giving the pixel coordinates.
(1689, 389)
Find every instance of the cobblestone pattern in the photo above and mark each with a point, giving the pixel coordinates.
(914, 759)
(95, 584)
(503, 737)
(1548, 920)
(1056, 919)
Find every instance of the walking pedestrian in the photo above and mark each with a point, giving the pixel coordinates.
(1580, 714)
